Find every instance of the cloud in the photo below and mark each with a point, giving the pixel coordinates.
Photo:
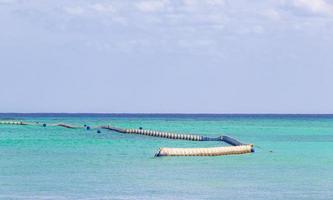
(314, 6)
(75, 10)
(7, 1)
(204, 2)
(171, 17)
(216, 2)
(152, 6)
(90, 9)
(272, 14)
(99, 7)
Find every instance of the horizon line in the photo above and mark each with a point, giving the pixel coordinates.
(156, 113)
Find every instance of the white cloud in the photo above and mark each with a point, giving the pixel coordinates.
(90, 9)
(207, 16)
(190, 2)
(152, 6)
(99, 7)
(199, 3)
(76, 10)
(272, 14)
(7, 2)
(315, 6)
(216, 2)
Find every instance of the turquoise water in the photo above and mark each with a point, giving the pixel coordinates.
(58, 163)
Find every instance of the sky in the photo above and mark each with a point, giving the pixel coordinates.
(166, 56)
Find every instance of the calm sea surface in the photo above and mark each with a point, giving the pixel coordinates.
(59, 163)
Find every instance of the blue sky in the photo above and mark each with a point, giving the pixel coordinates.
(168, 56)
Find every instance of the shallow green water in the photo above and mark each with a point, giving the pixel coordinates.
(58, 163)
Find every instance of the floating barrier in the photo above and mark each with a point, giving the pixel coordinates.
(12, 123)
(67, 126)
(231, 141)
(236, 148)
(158, 134)
(37, 123)
(211, 151)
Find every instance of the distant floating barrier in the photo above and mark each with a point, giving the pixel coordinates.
(12, 123)
(236, 148)
(67, 126)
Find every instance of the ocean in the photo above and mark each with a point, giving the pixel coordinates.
(293, 158)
